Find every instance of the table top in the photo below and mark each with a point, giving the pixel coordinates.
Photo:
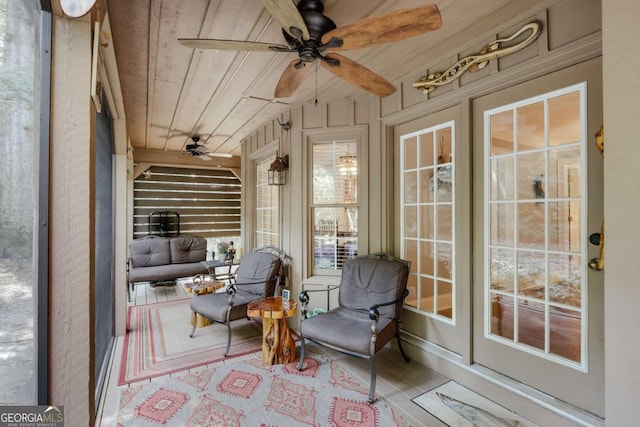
(213, 263)
(272, 307)
(204, 287)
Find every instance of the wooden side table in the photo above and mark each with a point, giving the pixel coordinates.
(277, 343)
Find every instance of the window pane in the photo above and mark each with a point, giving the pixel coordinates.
(501, 312)
(531, 324)
(19, 170)
(564, 173)
(531, 231)
(501, 133)
(501, 178)
(565, 279)
(426, 151)
(445, 299)
(411, 222)
(531, 274)
(411, 152)
(502, 273)
(530, 134)
(530, 176)
(427, 293)
(502, 224)
(564, 119)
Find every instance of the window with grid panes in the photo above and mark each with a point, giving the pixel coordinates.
(267, 207)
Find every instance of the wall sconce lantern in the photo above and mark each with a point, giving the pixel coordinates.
(277, 174)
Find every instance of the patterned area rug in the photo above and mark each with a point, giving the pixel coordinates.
(245, 392)
(158, 342)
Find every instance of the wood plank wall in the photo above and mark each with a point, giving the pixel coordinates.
(207, 200)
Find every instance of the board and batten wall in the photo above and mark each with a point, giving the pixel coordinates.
(571, 34)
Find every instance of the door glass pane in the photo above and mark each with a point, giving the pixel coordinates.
(564, 119)
(530, 133)
(533, 242)
(501, 178)
(445, 299)
(428, 192)
(501, 133)
(501, 316)
(427, 293)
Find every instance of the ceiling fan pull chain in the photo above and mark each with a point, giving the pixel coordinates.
(316, 64)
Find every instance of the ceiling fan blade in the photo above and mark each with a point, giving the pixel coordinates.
(292, 78)
(286, 13)
(232, 45)
(386, 28)
(359, 75)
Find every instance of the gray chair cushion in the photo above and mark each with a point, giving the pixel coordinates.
(257, 267)
(149, 251)
(214, 306)
(186, 249)
(347, 329)
(369, 281)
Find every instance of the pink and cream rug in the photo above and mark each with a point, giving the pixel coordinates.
(245, 392)
(158, 343)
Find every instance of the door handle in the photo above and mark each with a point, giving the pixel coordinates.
(598, 240)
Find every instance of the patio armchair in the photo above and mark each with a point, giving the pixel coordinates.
(371, 295)
(260, 274)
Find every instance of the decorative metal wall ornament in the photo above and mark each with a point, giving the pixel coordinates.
(476, 62)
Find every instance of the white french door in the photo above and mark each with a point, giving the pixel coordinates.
(538, 315)
(429, 159)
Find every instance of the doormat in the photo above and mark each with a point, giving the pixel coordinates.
(458, 406)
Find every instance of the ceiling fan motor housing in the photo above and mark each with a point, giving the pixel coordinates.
(317, 24)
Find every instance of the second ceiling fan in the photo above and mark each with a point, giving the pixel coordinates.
(313, 36)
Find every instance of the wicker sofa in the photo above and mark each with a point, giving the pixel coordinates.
(160, 259)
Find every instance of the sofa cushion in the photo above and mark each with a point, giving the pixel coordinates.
(166, 272)
(186, 249)
(149, 251)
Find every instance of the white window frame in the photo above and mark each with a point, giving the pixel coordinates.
(276, 236)
(434, 315)
(545, 354)
(359, 134)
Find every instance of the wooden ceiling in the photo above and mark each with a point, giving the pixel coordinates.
(171, 92)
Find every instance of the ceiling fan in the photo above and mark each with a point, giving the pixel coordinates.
(200, 150)
(313, 36)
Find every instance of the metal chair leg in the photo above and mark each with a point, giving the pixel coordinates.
(372, 386)
(301, 361)
(195, 322)
(226, 352)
